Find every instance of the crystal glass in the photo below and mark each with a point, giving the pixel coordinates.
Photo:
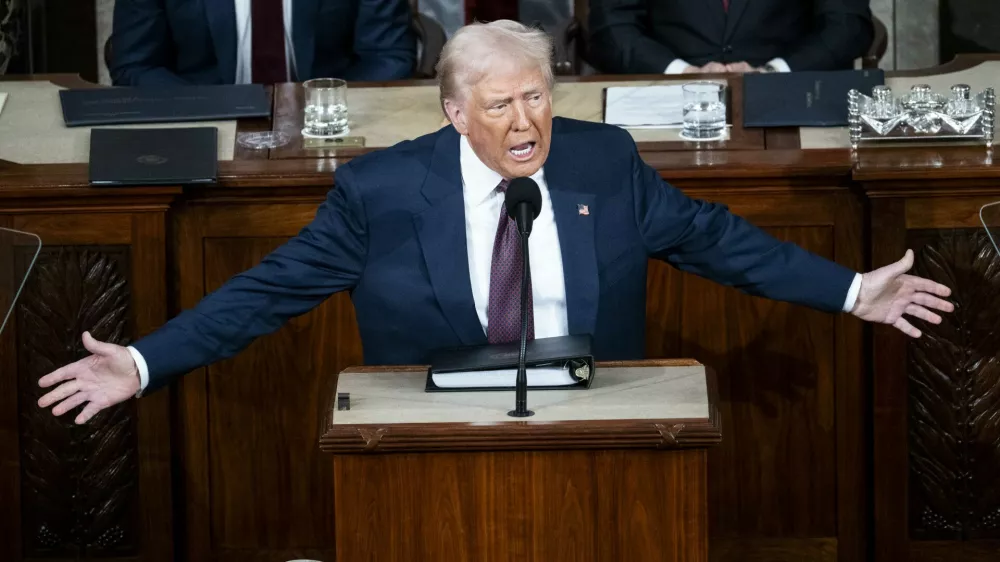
(924, 108)
(882, 112)
(326, 107)
(704, 111)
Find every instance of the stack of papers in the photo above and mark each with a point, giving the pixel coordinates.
(644, 107)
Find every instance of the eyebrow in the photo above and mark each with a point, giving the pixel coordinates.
(508, 99)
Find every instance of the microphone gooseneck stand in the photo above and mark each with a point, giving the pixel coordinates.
(521, 385)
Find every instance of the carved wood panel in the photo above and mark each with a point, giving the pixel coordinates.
(954, 393)
(78, 483)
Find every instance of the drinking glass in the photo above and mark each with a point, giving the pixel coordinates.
(326, 107)
(704, 111)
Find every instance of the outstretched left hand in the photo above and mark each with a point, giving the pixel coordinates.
(888, 293)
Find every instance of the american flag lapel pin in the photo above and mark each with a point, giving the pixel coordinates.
(583, 209)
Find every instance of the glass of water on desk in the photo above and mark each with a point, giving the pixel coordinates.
(704, 111)
(326, 107)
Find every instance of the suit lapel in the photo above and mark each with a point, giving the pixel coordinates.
(573, 206)
(736, 8)
(441, 230)
(304, 37)
(221, 16)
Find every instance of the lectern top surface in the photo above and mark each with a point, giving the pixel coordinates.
(617, 393)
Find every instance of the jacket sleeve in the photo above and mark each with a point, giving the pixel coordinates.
(384, 42)
(707, 240)
(618, 41)
(842, 31)
(140, 45)
(326, 257)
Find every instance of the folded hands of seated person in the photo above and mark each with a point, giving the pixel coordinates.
(719, 68)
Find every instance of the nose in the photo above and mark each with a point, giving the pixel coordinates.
(521, 122)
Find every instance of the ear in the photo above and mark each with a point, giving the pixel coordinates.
(457, 117)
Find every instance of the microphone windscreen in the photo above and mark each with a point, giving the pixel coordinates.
(523, 190)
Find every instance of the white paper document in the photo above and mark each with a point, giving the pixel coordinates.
(644, 107)
(537, 376)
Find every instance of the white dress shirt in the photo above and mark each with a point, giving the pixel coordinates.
(244, 42)
(483, 204)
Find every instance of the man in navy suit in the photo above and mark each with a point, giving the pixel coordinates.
(692, 36)
(417, 235)
(170, 42)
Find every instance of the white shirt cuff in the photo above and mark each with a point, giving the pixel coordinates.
(780, 65)
(140, 364)
(676, 67)
(852, 293)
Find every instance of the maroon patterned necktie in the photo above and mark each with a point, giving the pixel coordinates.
(725, 5)
(268, 42)
(504, 312)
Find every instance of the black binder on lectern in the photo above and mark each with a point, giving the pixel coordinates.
(559, 363)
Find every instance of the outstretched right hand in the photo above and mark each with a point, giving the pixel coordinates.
(105, 378)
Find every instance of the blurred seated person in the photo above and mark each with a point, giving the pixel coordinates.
(690, 36)
(175, 42)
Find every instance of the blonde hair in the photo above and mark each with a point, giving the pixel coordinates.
(469, 54)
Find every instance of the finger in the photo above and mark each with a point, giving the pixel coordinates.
(922, 313)
(101, 348)
(928, 286)
(69, 403)
(902, 325)
(88, 412)
(933, 302)
(59, 375)
(901, 266)
(62, 391)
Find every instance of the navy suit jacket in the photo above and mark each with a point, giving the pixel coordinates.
(173, 42)
(392, 231)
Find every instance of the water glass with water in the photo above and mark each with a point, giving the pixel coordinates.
(326, 107)
(704, 110)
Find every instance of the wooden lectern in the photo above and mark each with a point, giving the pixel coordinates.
(614, 473)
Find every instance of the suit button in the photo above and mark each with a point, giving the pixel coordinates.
(727, 49)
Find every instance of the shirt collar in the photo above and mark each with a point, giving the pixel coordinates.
(479, 181)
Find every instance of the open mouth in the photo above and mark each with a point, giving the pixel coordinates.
(523, 151)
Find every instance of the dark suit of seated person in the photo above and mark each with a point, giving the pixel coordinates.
(689, 36)
(417, 234)
(173, 42)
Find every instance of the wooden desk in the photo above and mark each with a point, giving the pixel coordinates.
(790, 481)
(616, 472)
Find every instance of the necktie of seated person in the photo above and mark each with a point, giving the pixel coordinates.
(268, 42)
(503, 316)
(725, 5)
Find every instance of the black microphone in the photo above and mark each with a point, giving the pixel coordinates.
(523, 201)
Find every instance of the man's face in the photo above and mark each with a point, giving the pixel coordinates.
(507, 117)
